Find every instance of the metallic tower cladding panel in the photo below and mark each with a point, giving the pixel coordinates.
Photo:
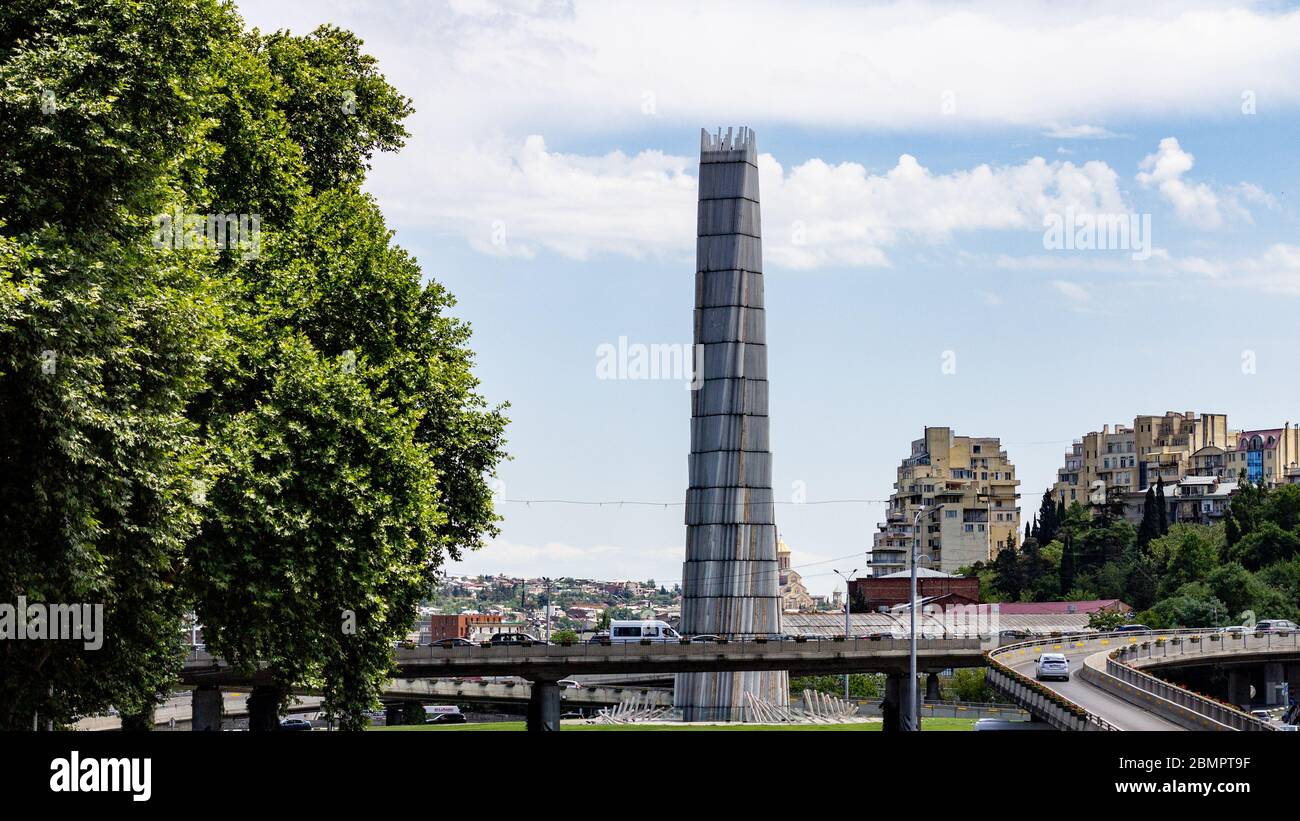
(730, 580)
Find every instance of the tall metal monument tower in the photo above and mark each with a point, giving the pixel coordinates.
(730, 582)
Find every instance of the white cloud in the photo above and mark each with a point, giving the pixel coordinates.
(1057, 131)
(513, 199)
(510, 199)
(1276, 270)
(1071, 290)
(559, 559)
(584, 67)
(1198, 204)
(1195, 203)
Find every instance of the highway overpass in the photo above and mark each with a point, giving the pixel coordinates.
(546, 665)
(1109, 688)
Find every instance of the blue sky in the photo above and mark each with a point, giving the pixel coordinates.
(910, 153)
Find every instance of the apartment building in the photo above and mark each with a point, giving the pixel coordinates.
(965, 489)
(1198, 457)
(1200, 499)
(1267, 456)
(1135, 457)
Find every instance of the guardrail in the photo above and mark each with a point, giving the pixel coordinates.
(1041, 701)
(1189, 708)
(1178, 702)
(554, 662)
(926, 638)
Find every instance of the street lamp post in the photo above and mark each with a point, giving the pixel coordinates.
(548, 609)
(914, 718)
(847, 599)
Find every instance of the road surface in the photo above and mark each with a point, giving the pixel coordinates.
(1117, 711)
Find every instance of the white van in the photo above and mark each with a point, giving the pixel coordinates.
(622, 632)
(443, 714)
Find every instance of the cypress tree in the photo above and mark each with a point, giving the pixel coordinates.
(1162, 514)
(1047, 521)
(1148, 530)
(1067, 568)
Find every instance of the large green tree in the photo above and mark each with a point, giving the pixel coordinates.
(285, 436)
(103, 342)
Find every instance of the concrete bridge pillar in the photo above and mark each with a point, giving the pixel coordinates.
(264, 709)
(1273, 678)
(892, 712)
(394, 714)
(932, 687)
(544, 707)
(1238, 687)
(205, 708)
(1292, 671)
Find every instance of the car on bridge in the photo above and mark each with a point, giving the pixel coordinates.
(1132, 628)
(453, 641)
(1274, 626)
(1052, 665)
(514, 640)
(633, 631)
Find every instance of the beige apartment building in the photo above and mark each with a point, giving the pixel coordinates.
(1197, 455)
(967, 489)
(1135, 457)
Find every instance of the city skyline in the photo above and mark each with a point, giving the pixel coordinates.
(549, 183)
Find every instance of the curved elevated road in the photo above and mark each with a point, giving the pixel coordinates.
(1113, 709)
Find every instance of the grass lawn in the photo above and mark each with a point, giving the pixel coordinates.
(933, 724)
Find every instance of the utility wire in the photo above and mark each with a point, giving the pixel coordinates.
(603, 502)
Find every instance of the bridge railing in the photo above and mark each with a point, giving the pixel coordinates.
(1019, 686)
(743, 644)
(1040, 700)
(1228, 715)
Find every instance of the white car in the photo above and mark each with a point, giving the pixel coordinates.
(1274, 626)
(1053, 665)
